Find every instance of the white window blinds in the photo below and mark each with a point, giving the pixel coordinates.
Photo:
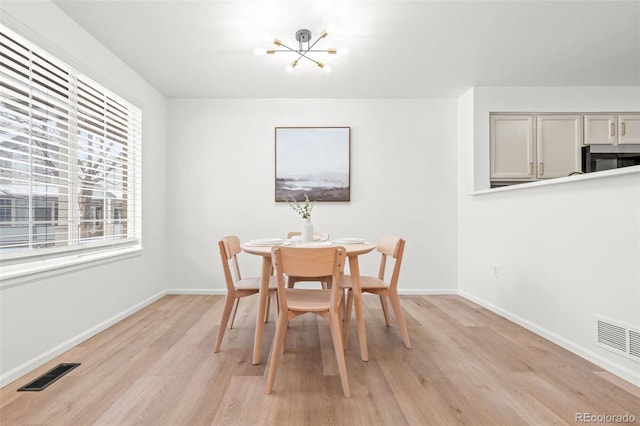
(70, 160)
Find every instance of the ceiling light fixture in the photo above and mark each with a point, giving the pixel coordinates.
(303, 36)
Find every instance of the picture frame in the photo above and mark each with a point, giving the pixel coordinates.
(312, 161)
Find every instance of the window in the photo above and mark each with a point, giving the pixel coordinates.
(69, 157)
(5, 210)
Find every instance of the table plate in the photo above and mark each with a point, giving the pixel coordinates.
(315, 244)
(268, 242)
(349, 241)
(298, 238)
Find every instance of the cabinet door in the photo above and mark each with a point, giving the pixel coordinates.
(558, 141)
(512, 154)
(629, 129)
(600, 129)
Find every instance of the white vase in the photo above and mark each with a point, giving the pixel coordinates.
(307, 231)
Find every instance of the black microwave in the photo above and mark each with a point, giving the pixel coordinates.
(596, 158)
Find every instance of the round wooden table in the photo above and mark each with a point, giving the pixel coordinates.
(353, 251)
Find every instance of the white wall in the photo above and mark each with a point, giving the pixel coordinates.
(567, 251)
(44, 315)
(403, 181)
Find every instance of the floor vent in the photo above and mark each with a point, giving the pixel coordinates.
(618, 338)
(49, 377)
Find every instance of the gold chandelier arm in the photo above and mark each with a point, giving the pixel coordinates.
(321, 36)
(329, 50)
(300, 53)
(303, 55)
(279, 43)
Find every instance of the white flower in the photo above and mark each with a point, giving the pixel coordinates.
(305, 210)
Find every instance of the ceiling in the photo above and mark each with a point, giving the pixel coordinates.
(397, 49)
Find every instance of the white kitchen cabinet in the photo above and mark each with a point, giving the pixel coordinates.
(512, 147)
(629, 129)
(527, 147)
(600, 129)
(611, 129)
(558, 143)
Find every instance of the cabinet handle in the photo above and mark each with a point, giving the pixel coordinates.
(531, 168)
(624, 130)
(613, 129)
(541, 169)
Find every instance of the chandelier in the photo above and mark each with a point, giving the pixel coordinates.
(305, 47)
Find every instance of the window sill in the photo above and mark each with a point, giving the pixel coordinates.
(18, 274)
(558, 181)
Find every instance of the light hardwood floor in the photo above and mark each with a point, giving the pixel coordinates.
(467, 366)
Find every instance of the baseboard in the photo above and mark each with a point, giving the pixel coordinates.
(622, 372)
(426, 292)
(222, 292)
(198, 291)
(47, 356)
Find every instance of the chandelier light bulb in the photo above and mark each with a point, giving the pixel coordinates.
(292, 65)
(260, 51)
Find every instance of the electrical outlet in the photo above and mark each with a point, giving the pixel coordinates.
(496, 271)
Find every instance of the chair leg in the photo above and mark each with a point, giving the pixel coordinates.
(284, 340)
(347, 317)
(228, 306)
(266, 311)
(276, 349)
(397, 310)
(336, 336)
(342, 308)
(235, 309)
(385, 309)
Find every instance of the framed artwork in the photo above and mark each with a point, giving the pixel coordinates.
(313, 161)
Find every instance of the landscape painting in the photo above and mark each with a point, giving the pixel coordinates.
(313, 161)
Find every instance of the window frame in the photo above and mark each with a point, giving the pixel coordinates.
(75, 249)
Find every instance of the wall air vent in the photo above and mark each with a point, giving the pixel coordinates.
(618, 338)
(612, 335)
(634, 343)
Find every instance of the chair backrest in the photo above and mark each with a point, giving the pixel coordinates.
(229, 248)
(323, 235)
(309, 262)
(390, 246)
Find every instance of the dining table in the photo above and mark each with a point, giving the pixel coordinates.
(354, 248)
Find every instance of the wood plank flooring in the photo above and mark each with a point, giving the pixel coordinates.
(467, 366)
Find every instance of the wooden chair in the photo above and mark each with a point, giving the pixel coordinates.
(388, 246)
(237, 287)
(291, 281)
(327, 303)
